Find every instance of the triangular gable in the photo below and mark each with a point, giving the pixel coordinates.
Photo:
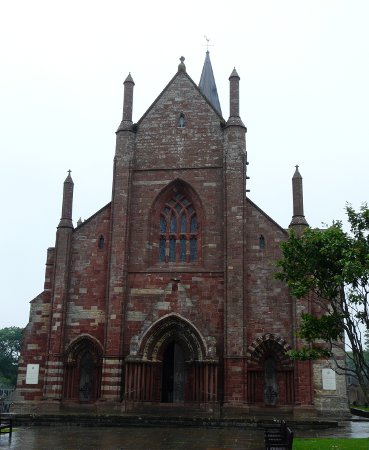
(94, 215)
(179, 73)
(252, 204)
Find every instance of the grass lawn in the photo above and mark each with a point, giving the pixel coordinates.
(363, 408)
(331, 444)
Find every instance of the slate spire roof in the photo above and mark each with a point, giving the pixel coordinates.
(207, 84)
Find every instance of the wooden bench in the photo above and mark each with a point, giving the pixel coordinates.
(278, 437)
(276, 429)
(6, 424)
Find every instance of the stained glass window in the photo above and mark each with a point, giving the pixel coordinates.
(173, 223)
(193, 249)
(193, 224)
(183, 223)
(162, 250)
(178, 226)
(172, 249)
(163, 225)
(182, 254)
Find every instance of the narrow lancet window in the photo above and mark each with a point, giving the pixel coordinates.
(101, 241)
(183, 223)
(193, 249)
(162, 250)
(172, 249)
(193, 224)
(163, 225)
(261, 242)
(181, 121)
(173, 223)
(182, 254)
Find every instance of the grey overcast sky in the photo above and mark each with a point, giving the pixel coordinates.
(304, 68)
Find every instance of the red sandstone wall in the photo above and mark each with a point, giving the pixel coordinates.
(35, 337)
(269, 306)
(160, 143)
(87, 290)
(196, 297)
(268, 303)
(164, 152)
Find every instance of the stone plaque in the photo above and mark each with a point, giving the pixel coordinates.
(32, 373)
(329, 379)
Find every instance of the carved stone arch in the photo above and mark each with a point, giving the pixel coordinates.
(172, 362)
(81, 343)
(269, 344)
(270, 372)
(182, 192)
(83, 367)
(178, 184)
(167, 329)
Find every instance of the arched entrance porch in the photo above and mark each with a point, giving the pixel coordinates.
(270, 373)
(82, 379)
(172, 365)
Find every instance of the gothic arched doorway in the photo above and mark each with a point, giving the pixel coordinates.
(270, 373)
(86, 377)
(172, 365)
(173, 374)
(82, 380)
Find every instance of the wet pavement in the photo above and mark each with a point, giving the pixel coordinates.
(142, 438)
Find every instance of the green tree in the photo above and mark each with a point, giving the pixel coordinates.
(366, 335)
(10, 345)
(332, 267)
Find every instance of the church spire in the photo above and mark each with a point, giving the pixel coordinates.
(298, 219)
(207, 84)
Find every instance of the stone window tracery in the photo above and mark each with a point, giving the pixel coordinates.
(178, 226)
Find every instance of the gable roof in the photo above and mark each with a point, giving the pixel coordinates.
(181, 72)
(254, 205)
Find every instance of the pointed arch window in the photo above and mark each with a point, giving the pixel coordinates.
(101, 241)
(178, 225)
(181, 121)
(262, 242)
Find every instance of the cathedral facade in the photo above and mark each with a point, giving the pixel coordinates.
(167, 294)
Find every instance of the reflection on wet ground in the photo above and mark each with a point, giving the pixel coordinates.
(140, 438)
(358, 429)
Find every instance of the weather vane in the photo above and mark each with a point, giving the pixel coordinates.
(207, 43)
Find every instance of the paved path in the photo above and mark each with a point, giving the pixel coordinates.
(140, 438)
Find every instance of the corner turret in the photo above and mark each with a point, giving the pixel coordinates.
(234, 100)
(126, 123)
(298, 222)
(66, 216)
(234, 97)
